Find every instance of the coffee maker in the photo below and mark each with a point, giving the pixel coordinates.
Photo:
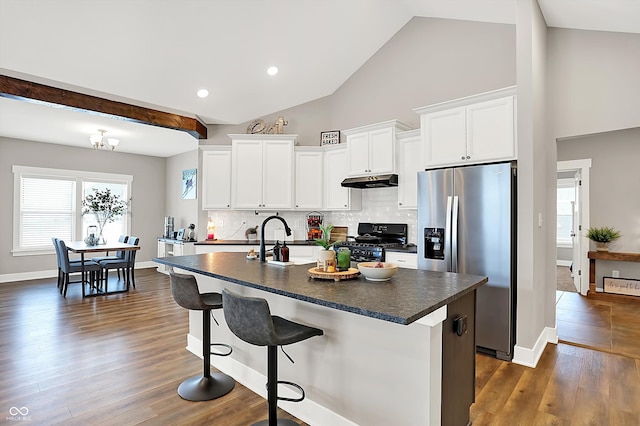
(168, 227)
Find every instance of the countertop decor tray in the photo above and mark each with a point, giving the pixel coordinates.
(336, 276)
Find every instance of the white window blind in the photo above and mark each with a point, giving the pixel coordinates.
(48, 203)
(47, 209)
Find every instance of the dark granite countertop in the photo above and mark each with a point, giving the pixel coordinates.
(409, 295)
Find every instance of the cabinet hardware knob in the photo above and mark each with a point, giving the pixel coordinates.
(468, 157)
(462, 158)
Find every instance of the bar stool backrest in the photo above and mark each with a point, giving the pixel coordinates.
(249, 318)
(184, 289)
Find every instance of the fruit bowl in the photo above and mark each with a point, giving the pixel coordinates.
(377, 271)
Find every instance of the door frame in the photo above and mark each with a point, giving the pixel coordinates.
(583, 166)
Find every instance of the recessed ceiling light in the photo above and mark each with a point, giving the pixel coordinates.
(272, 70)
(203, 93)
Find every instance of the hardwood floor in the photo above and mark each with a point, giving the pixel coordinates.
(606, 325)
(118, 360)
(112, 360)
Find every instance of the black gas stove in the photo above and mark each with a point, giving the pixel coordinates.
(373, 239)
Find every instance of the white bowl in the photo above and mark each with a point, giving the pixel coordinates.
(384, 273)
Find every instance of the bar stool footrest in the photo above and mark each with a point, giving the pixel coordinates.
(224, 345)
(294, 385)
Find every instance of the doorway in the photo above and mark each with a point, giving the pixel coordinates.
(573, 220)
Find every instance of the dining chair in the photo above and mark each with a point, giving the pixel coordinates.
(127, 265)
(118, 256)
(54, 240)
(90, 267)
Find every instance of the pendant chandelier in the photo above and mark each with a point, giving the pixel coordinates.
(99, 141)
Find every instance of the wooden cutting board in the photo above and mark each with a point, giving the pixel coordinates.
(335, 276)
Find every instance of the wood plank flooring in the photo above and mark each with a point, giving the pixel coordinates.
(117, 360)
(605, 325)
(108, 360)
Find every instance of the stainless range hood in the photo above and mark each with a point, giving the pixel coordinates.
(379, 181)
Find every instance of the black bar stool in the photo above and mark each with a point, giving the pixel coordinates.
(206, 386)
(250, 319)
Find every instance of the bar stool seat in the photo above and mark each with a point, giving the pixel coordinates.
(250, 319)
(206, 386)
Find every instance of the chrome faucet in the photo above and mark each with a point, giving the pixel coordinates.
(286, 229)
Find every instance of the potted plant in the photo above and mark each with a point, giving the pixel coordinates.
(326, 255)
(602, 237)
(106, 207)
(251, 233)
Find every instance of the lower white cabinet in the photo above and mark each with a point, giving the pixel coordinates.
(403, 260)
(409, 157)
(167, 247)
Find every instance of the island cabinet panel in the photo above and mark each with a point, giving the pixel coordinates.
(262, 171)
(216, 178)
(458, 361)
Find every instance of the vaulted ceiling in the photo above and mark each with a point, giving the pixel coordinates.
(158, 53)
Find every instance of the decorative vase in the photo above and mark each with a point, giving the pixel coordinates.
(101, 218)
(600, 246)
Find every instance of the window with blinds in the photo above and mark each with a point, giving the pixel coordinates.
(47, 209)
(48, 203)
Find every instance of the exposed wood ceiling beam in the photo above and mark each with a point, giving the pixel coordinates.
(52, 96)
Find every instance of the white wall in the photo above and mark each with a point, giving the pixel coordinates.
(614, 201)
(594, 84)
(184, 212)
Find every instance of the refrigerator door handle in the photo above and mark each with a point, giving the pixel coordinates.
(454, 235)
(447, 235)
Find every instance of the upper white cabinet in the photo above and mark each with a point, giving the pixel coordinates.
(262, 171)
(476, 129)
(308, 181)
(216, 177)
(371, 149)
(337, 197)
(409, 158)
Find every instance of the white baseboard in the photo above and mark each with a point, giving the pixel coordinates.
(37, 275)
(564, 263)
(530, 357)
(307, 410)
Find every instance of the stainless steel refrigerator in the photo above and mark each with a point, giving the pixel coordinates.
(467, 224)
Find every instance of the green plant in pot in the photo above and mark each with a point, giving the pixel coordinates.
(105, 206)
(602, 237)
(326, 253)
(251, 233)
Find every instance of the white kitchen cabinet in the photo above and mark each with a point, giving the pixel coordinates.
(409, 163)
(168, 247)
(403, 260)
(308, 182)
(371, 149)
(262, 171)
(335, 170)
(216, 177)
(477, 129)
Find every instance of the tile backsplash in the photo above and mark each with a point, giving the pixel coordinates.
(379, 205)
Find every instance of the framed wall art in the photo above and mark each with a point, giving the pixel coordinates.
(189, 183)
(330, 138)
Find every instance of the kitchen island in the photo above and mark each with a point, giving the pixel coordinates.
(380, 360)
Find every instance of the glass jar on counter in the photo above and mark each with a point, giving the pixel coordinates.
(343, 258)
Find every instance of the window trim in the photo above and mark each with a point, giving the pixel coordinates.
(79, 176)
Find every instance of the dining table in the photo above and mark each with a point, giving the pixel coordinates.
(82, 248)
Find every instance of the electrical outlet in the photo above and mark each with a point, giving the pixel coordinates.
(615, 274)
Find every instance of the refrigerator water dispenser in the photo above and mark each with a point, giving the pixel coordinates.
(434, 243)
